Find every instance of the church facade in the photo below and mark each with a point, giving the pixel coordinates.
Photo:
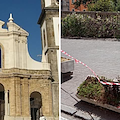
(30, 89)
(26, 88)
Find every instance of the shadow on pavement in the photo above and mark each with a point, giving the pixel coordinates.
(66, 76)
(100, 112)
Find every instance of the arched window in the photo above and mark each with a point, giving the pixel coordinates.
(44, 37)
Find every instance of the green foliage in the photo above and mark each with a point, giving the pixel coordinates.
(99, 5)
(118, 6)
(79, 2)
(76, 25)
(102, 5)
(92, 89)
(70, 26)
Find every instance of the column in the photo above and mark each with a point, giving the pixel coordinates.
(6, 103)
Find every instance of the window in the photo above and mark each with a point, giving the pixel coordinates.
(44, 37)
(73, 1)
(73, 10)
(1, 56)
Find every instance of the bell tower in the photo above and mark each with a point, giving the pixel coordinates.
(46, 3)
(49, 24)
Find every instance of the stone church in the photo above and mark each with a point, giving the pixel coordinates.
(30, 89)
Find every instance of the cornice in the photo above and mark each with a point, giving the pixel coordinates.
(13, 33)
(47, 9)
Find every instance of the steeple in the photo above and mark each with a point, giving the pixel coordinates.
(11, 18)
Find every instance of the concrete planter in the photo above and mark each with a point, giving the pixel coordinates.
(110, 107)
(67, 66)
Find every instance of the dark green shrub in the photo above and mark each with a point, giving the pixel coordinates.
(102, 5)
(70, 26)
(76, 25)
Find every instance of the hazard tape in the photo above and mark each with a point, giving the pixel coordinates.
(78, 61)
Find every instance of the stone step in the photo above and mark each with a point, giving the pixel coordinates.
(62, 118)
(83, 114)
(68, 109)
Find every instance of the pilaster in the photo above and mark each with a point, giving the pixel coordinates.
(6, 103)
(18, 97)
(25, 97)
(12, 98)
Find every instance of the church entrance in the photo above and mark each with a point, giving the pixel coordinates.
(2, 102)
(36, 105)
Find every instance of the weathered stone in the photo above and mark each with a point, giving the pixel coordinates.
(23, 81)
(67, 66)
(49, 23)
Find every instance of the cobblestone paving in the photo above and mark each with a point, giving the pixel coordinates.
(103, 57)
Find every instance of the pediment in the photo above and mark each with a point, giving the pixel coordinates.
(16, 28)
(21, 30)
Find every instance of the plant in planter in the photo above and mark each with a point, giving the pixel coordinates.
(94, 90)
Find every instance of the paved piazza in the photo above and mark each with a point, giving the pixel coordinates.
(101, 56)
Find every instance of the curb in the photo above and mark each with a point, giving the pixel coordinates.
(76, 113)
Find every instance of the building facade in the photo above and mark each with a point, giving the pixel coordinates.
(72, 8)
(49, 24)
(25, 85)
(80, 8)
(65, 5)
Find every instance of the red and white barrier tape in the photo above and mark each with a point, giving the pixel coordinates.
(77, 61)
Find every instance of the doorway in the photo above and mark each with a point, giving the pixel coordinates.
(35, 105)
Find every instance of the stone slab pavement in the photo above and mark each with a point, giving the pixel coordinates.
(104, 58)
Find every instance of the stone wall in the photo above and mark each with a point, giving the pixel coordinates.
(20, 87)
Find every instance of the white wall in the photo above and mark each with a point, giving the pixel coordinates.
(44, 47)
(47, 3)
(16, 55)
(58, 61)
(56, 29)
